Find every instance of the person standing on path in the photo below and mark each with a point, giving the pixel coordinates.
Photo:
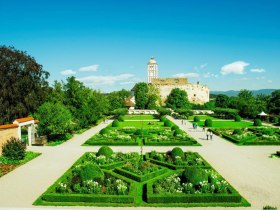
(211, 135)
(207, 134)
(203, 128)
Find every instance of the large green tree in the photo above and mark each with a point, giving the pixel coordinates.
(177, 99)
(222, 101)
(141, 95)
(274, 103)
(117, 98)
(23, 84)
(54, 118)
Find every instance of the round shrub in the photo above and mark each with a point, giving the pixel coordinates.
(140, 132)
(208, 123)
(177, 131)
(163, 118)
(104, 131)
(105, 150)
(91, 172)
(257, 122)
(275, 120)
(237, 132)
(168, 123)
(237, 118)
(115, 123)
(174, 127)
(196, 119)
(195, 175)
(14, 149)
(121, 118)
(177, 151)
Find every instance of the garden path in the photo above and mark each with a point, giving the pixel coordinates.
(248, 169)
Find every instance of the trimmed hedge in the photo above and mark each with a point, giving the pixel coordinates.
(257, 122)
(177, 151)
(105, 150)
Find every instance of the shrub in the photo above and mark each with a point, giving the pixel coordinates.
(14, 149)
(275, 120)
(195, 175)
(140, 132)
(269, 208)
(208, 123)
(177, 151)
(115, 123)
(257, 122)
(121, 118)
(237, 132)
(168, 123)
(91, 172)
(163, 118)
(105, 150)
(104, 131)
(196, 119)
(174, 127)
(177, 131)
(237, 118)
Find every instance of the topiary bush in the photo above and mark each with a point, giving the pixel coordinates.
(237, 132)
(208, 123)
(237, 118)
(104, 131)
(257, 122)
(196, 119)
(168, 123)
(177, 151)
(195, 175)
(275, 120)
(115, 123)
(91, 172)
(140, 132)
(14, 149)
(163, 118)
(121, 118)
(174, 127)
(105, 150)
(177, 131)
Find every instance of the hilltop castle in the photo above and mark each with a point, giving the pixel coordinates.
(197, 94)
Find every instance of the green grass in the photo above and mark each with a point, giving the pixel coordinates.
(229, 124)
(139, 124)
(202, 117)
(139, 117)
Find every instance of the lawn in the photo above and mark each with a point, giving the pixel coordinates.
(140, 124)
(129, 179)
(7, 166)
(228, 124)
(139, 117)
(202, 117)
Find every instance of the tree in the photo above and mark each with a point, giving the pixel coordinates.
(222, 101)
(117, 98)
(153, 97)
(54, 118)
(23, 84)
(247, 104)
(141, 95)
(177, 99)
(274, 103)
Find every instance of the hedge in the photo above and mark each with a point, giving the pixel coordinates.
(250, 143)
(139, 178)
(101, 143)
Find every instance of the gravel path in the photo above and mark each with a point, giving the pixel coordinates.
(249, 169)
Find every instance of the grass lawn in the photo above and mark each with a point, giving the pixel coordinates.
(139, 117)
(7, 166)
(202, 117)
(229, 124)
(139, 124)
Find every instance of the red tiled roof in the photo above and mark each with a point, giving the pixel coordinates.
(36, 121)
(8, 126)
(25, 119)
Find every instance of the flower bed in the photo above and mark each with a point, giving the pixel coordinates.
(251, 136)
(191, 159)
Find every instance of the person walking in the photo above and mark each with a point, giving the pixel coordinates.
(203, 128)
(211, 135)
(207, 135)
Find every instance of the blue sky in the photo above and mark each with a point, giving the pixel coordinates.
(225, 44)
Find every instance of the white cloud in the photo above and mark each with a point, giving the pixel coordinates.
(257, 70)
(183, 75)
(68, 72)
(89, 68)
(202, 66)
(105, 80)
(236, 67)
(208, 75)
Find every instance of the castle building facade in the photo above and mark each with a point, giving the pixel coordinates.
(197, 93)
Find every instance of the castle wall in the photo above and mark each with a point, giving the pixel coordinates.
(170, 81)
(197, 94)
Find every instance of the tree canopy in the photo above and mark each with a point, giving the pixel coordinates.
(177, 99)
(23, 84)
(141, 95)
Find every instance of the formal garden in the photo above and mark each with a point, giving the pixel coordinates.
(142, 130)
(174, 178)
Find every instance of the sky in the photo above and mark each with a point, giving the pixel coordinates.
(106, 44)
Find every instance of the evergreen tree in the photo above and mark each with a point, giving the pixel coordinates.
(177, 99)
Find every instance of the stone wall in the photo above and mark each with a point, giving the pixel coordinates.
(6, 134)
(170, 81)
(197, 94)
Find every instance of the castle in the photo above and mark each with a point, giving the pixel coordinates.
(197, 94)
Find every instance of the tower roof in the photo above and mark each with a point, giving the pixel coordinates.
(152, 61)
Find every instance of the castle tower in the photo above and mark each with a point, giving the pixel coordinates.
(152, 69)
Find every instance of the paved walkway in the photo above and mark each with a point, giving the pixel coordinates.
(248, 169)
